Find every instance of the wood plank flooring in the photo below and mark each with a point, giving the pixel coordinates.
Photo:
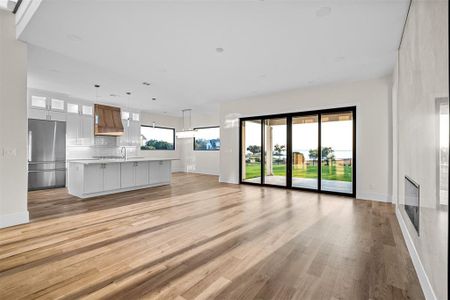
(200, 239)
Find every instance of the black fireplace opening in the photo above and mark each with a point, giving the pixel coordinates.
(412, 201)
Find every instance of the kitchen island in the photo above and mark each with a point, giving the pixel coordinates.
(95, 177)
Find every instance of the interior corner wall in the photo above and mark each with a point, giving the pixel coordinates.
(204, 162)
(148, 118)
(13, 124)
(372, 99)
(422, 77)
(188, 160)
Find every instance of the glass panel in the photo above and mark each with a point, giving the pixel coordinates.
(135, 117)
(251, 151)
(72, 108)
(305, 146)
(39, 102)
(156, 138)
(275, 131)
(443, 151)
(337, 152)
(207, 139)
(87, 110)
(125, 115)
(57, 104)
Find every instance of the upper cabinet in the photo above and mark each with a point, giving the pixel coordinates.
(132, 127)
(80, 124)
(46, 108)
(81, 117)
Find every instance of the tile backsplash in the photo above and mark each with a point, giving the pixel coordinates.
(103, 146)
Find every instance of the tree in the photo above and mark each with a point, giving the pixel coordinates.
(157, 145)
(278, 149)
(254, 149)
(327, 155)
(313, 154)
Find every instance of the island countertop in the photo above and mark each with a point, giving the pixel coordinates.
(118, 160)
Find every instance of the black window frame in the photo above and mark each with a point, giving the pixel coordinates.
(160, 127)
(205, 127)
(289, 117)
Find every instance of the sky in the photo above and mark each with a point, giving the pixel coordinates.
(337, 134)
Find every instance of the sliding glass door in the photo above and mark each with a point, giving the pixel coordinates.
(308, 150)
(337, 152)
(305, 157)
(275, 143)
(251, 160)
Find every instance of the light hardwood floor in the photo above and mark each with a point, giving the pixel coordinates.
(200, 239)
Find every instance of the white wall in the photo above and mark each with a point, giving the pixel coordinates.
(13, 124)
(164, 121)
(372, 98)
(421, 77)
(205, 162)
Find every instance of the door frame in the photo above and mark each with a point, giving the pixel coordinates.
(289, 117)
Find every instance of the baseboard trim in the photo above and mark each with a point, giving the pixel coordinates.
(420, 270)
(204, 173)
(14, 219)
(374, 197)
(228, 180)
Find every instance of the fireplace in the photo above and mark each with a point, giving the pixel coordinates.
(412, 201)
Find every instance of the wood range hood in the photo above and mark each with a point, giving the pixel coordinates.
(108, 121)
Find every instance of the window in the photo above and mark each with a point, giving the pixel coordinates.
(57, 104)
(157, 138)
(40, 102)
(72, 108)
(87, 110)
(207, 139)
(442, 111)
(125, 115)
(304, 150)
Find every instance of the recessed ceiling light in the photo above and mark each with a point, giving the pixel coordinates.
(146, 83)
(154, 98)
(219, 50)
(323, 11)
(74, 37)
(113, 95)
(128, 93)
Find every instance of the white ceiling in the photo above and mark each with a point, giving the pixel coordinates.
(269, 46)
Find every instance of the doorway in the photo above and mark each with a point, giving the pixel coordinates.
(312, 150)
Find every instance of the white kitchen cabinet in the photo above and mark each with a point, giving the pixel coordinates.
(141, 173)
(89, 178)
(159, 172)
(93, 178)
(132, 129)
(46, 108)
(153, 172)
(165, 170)
(111, 177)
(126, 175)
(134, 174)
(87, 130)
(101, 177)
(79, 127)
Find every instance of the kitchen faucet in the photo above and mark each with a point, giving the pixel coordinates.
(123, 153)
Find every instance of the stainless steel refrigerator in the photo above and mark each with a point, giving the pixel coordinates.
(46, 154)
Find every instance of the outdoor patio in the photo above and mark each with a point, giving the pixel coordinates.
(308, 183)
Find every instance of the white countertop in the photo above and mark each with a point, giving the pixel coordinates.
(117, 160)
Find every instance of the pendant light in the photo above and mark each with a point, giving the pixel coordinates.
(187, 131)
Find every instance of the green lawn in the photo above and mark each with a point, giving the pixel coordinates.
(340, 173)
